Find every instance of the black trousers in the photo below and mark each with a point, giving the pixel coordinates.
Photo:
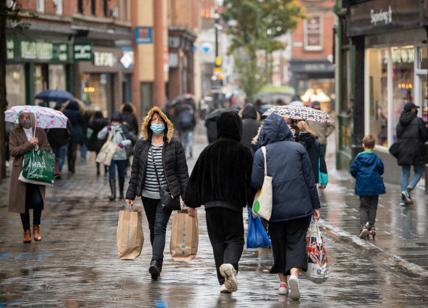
(289, 245)
(226, 233)
(33, 200)
(368, 210)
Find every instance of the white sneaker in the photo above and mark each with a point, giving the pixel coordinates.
(228, 272)
(293, 285)
(283, 289)
(223, 289)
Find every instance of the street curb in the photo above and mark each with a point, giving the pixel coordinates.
(394, 260)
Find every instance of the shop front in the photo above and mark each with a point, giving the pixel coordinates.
(105, 82)
(36, 65)
(390, 68)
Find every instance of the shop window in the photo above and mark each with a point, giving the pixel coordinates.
(15, 81)
(313, 33)
(402, 81)
(57, 77)
(378, 93)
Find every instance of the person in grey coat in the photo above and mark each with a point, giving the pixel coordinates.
(295, 199)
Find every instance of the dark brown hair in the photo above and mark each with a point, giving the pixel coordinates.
(369, 142)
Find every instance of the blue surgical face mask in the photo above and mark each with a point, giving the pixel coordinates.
(157, 128)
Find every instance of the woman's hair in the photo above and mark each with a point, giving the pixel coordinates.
(98, 114)
(303, 126)
(32, 118)
(128, 108)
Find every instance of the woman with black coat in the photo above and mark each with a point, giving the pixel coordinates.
(220, 180)
(250, 124)
(96, 124)
(295, 199)
(159, 161)
(73, 113)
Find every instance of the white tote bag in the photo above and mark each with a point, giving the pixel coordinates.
(107, 151)
(262, 205)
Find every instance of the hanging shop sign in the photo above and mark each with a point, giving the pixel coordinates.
(373, 17)
(36, 51)
(143, 35)
(82, 52)
(106, 59)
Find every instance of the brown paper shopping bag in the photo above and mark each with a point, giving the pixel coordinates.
(129, 236)
(184, 236)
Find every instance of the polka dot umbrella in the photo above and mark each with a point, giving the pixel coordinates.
(300, 113)
(45, 117)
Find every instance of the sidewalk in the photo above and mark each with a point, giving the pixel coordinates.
(402, 232)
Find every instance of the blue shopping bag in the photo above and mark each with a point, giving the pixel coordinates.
(257, 236)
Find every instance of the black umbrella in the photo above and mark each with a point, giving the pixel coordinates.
(59, 96)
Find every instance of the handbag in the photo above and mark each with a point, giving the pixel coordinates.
(107, 151)
(315, 248)
(38, 167)
(394, 149)
(167, 199)
(262, 205)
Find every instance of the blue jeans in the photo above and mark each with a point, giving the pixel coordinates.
(83, 151)
(187, 142)
(158, 217)
(405, 175)
(121, 168)
(60, 154)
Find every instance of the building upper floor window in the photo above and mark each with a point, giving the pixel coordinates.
(94, 7)
(80, 6)
(58, 6)
(105, 8)
(40, 6)
(313, 33)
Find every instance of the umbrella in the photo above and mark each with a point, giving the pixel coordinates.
(45, 117)
(55, 96)
(300, 113)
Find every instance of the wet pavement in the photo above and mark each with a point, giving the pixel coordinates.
(76, 264)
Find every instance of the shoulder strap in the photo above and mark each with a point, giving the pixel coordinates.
(154, 165)
(265, 159)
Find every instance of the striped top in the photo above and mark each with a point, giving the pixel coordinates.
(151, 186)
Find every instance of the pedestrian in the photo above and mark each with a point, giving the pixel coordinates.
(86, 117)
(412, 135)
(309, 140)
(220, 180)
(96, 124)
(130, 118)
(322, 129)
(58, 139)
(23, 196)
(250, 124)
(159, 160)
(367, 169)
(122, 139)
(185, 123)
(73, 113)
(295, 199)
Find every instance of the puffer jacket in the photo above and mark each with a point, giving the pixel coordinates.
(412, 135)
(173, 159)
(293, 186)
(367, 168)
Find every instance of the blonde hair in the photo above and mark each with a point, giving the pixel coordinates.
(303, 126)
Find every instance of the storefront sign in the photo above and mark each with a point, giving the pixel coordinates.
(36, 51)
(104, 59)
(378, 16)
(127, 59)
(82, 52)
(143, 35)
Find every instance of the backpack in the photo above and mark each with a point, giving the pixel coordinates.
(185, 119)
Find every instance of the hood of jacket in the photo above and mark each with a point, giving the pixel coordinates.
(306, 137)
(250, 112)
(275, 129)
(229, 125)
(407, 117)
(367, 158)
(146, 123)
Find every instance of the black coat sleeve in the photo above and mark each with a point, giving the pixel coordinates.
(131, 193)
(308, 175)
(193, 193)
(181, 167)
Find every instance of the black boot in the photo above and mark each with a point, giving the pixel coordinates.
(112, 189)
(121, 184)
(154, 269)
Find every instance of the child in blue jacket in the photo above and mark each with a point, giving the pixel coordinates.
(367, 169)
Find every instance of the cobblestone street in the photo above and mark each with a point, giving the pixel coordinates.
(76, 264)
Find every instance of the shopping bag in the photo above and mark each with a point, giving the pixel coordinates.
(107, 151)
(129, 236)
(38, 166)
(184, 236)
(257, 236)
(317, 254)
(262, 205)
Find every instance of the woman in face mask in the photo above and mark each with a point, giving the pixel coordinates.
(23, 197)
(159, 161)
